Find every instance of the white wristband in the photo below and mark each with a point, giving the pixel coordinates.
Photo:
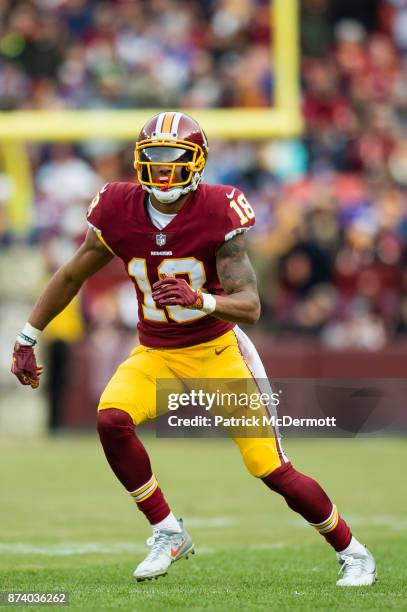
(28, 335)
(209, 303)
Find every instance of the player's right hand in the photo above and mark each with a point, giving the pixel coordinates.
(24, 365)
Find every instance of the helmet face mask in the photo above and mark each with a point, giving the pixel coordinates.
(183, 147)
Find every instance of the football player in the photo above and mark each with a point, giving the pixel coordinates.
(159, 228)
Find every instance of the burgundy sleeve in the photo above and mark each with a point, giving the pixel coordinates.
(240, 216)
(94, 214)
(99, 214)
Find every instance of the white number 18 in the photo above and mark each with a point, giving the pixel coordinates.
(137, 268)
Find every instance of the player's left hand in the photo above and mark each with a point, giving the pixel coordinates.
(172, 291)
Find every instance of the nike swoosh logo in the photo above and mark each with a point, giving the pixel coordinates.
(231, 194)
(175, 551)
(219, 351)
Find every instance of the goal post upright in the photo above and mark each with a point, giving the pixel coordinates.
(282, 120)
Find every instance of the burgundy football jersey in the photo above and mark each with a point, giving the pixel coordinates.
(186, 247)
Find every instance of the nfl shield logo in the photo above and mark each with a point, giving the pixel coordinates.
(160, 239)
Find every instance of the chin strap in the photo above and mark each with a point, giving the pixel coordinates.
(172, 194)
(167, 196)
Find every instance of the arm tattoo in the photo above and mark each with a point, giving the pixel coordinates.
(234, 268)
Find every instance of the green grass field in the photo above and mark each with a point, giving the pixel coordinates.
(67, 525)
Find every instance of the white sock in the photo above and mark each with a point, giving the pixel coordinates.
(354, 548)
(170, 523)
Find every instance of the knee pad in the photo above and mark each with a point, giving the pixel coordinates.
(261, 458)
(112, 421)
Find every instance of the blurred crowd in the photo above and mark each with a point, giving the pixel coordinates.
(134, 53)
(330, 241)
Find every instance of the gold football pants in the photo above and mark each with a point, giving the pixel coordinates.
(232, 355)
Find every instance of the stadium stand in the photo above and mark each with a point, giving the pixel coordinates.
(329, 244)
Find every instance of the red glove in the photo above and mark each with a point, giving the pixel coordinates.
(24, 365)
(170, 291)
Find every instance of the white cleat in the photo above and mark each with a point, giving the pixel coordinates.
(166, 548)
(358, 569)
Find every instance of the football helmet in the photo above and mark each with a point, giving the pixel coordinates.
(176, 140)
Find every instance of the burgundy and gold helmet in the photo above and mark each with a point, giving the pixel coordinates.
(172, 139)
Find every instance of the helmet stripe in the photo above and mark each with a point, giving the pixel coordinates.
(166, 128)
(175, 123)
(204, 138)
(159, 124)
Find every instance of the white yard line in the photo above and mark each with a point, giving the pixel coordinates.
(216, 521)
(68, 549)
(63, 549)
(395, 523)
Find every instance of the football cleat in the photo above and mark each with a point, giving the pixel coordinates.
(166, 548)
(358, 569)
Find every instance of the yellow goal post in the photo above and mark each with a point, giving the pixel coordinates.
(282, 120)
